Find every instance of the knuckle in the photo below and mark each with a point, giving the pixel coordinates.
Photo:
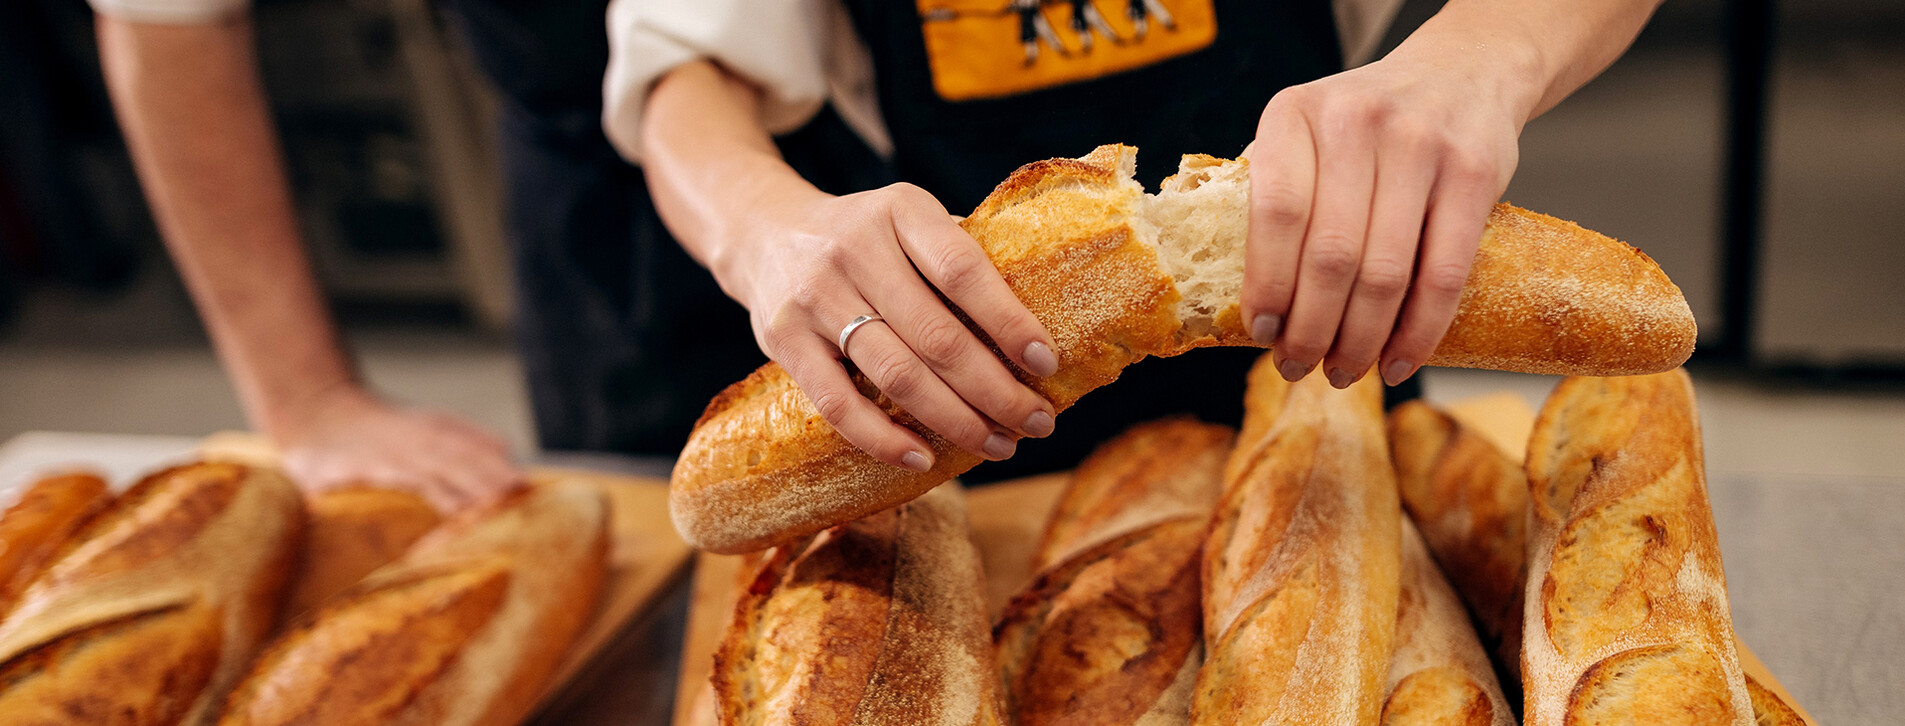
(897, 374)
(1444, 279)
(1471, 168)
(1281, 204)
(940, 341)
(959, 271)
(1332, 256)
(833, 405)
(1383, 278)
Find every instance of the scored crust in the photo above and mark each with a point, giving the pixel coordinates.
(878, 621)
(1109, 631)
(189, 564)
(1471, 503)
(1626, 606)
(1117, 275)
(1439, 673)
(1301, 568)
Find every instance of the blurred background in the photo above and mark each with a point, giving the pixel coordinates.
(1779, 215)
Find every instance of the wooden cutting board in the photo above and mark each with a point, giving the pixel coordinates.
(645, 555)
(1007, 519)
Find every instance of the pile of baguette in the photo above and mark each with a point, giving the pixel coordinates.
(213, 593)
(1324, 565)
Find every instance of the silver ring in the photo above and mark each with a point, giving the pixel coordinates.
(847, 332)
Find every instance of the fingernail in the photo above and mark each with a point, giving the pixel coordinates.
(1265, 328)
(999, 446)
(1293, 371)
(1040, 361)
(1038, 424)
(917, 461)
(1397, 371)
(1340, 378)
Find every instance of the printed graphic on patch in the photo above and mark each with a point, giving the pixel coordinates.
(993, 48)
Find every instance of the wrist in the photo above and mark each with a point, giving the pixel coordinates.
(757, 214)
(291, 419)
(1498, 58)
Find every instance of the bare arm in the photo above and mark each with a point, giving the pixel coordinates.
(1370, 187)
(805, 263)
(190, 104)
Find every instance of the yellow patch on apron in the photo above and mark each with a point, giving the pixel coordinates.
(978, 49)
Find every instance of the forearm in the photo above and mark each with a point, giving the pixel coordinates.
(1550, 49)
(190, 104)
(711, 167)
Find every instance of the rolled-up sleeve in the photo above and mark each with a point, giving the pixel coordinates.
(778, 45)
(170, 12)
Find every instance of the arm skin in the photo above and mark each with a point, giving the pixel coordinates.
(804, 263)
(1370, 187)
(190, 104)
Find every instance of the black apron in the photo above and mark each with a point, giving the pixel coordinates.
(624, 338)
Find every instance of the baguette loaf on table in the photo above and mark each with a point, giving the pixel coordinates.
(464, 630)
(153, 608)
(38, 523)
(1626, 617)
(879, 622)
(1109, 632)
(1471, 502)
(350, 532)
(1301, 566)
(1439, 675)
(1117, 275)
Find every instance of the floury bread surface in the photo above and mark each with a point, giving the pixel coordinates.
(1439, 675)
(1108, 632)
(1301, 567)
(1626, 615)
(1117, 275)
(877, 622)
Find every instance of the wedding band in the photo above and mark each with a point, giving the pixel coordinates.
(847, 332)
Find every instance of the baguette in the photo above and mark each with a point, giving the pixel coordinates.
(879, 621)
(153, 608)
(1117, 275)
(1109, 631)
(1626, 618)
(1768, 708)
(464, 630)
(1301, 566)
(1471, 502)
(1439, 674)
(39, 522)
(349, 532)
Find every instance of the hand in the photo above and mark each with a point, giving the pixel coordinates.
(1369, 190)
(350, 437)
(809, 263)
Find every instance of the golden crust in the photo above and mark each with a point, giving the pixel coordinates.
(1471, 503)
(1439, 673)
(185, 568)
(39, 524)
(1626, 600)
(1768, 708)
(878, 621)
(1301, 570)
(1545, 295)
(1151, 473)
(348, 533)
(1106, 629)
(464, 630)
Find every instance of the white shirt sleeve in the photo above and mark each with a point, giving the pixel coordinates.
(170, 12)
(801, 53)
